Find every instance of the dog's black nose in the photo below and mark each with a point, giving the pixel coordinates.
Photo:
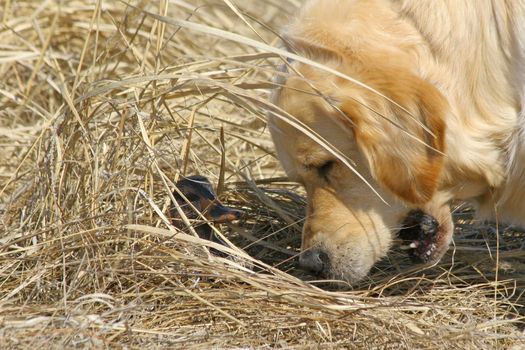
(314, 260)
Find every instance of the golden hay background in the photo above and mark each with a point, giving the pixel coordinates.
(103, 106)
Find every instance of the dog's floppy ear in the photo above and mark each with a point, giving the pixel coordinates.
(404, 149)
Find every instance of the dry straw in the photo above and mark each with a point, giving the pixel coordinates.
(104, 105)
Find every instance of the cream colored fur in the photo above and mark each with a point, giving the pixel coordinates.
(458, 67)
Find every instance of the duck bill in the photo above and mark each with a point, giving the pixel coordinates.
(219, 213)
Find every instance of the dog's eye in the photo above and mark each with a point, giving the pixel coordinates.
(324, 169)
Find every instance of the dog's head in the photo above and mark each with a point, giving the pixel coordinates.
(395, 148)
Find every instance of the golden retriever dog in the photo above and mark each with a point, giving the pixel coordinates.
(439, 116)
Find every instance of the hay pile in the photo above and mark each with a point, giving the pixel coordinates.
(103, 106)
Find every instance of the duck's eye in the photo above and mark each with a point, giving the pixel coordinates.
(324, 169)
